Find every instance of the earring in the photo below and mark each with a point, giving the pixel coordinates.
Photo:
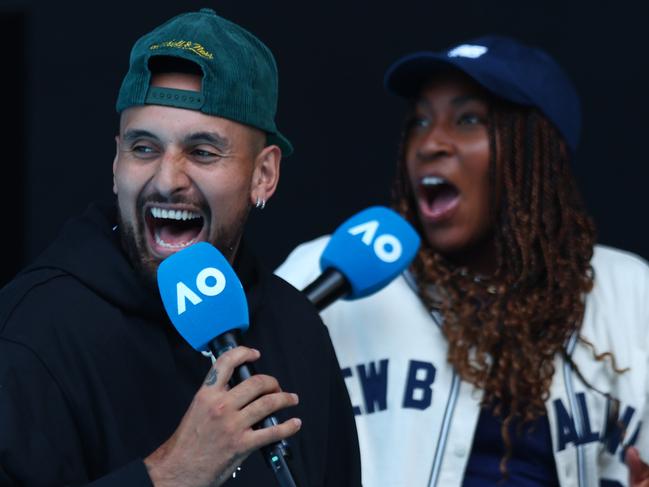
(261, 204)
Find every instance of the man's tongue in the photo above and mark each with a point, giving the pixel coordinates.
(176, 234)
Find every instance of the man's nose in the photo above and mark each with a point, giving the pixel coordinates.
(171, 176)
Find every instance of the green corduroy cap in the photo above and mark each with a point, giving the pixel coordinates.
(239, 72)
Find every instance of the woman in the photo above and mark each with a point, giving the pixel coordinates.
(513, 352)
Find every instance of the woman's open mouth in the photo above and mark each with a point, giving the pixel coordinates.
(438, 198)
(172, 228)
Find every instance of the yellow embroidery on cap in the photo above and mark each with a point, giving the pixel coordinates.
(194, 47)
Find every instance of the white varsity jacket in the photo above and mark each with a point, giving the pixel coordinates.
(416, 418)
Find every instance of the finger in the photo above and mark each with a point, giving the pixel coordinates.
(638, 470)
(252, 388)
(266, 405)
(221, 371)
(632, 460)
(265, 436)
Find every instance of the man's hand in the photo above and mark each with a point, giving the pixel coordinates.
(638, 470)
(216, 435)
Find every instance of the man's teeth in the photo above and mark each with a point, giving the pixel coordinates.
(174, 214)
(168, 245)
(432, 181)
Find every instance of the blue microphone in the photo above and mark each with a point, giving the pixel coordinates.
(364, 254)
(202, 294)
(206, 303)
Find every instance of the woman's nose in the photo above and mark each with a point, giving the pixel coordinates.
(435, 143)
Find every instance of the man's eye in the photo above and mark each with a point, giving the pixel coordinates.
(144, 150)
(203, 153)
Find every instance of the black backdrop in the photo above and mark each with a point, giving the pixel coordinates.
(59, 121)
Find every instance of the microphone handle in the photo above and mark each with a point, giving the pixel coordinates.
(275, 454)
(327, 288)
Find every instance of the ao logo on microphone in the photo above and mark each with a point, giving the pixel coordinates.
(370, 249)
(209, 282)
(201, 275)
(387, 247)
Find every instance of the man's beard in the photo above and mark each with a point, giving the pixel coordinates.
(134, 242)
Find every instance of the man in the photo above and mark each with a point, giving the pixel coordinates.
(96, 386)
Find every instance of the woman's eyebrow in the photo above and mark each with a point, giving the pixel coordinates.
(462, 99)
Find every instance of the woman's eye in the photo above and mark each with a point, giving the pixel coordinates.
(418, 122)
(470, 119)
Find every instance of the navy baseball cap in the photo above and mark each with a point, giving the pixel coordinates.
(505, 67)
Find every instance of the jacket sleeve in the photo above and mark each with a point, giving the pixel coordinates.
(642, 442)
(343, 467)
(39, 440)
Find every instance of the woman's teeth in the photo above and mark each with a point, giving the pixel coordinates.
(432, 181)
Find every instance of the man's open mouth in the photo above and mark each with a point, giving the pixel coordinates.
(173, 229)
(438, 196)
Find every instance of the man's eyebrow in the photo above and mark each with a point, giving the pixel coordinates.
(214, 138)
(133, 134)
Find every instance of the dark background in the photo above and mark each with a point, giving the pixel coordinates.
(63, 63)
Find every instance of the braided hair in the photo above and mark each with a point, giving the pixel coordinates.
(504, 334)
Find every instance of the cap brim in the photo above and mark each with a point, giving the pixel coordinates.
(407, 75)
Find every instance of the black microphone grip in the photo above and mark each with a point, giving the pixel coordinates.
(275, 454)
(327, 288)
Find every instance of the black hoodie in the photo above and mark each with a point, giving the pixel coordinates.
(94, 377)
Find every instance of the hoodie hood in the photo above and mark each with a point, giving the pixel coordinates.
(112, 276)
(76, 251)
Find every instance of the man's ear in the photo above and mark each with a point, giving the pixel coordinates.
(115, 162)
(265, 175)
